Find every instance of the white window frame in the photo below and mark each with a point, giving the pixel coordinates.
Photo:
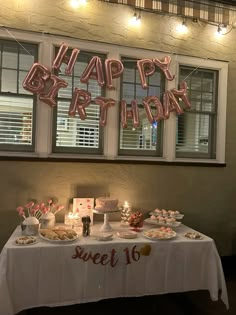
(44, 113)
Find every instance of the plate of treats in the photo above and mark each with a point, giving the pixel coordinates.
(162, 233)
(103, 236)
(127, 234)
(194, 235)
(163, 221)
(25, 240)
(58, 234)
(168, 213)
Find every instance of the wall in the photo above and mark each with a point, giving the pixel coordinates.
(205, 194)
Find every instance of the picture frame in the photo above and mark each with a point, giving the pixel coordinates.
(84, 207)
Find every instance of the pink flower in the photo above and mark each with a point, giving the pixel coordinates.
(19, 209)
(29, 205)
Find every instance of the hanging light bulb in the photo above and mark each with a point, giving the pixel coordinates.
(221, 30)
(136, 19)
(77, 3)
(182, 28)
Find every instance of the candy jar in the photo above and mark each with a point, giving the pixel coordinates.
(136, 221)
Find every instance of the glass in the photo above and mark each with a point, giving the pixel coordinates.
(125, 213)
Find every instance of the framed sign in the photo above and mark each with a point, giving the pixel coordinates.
(84, 206)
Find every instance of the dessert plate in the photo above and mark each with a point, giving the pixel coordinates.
(103, 236)
(194, 235)
(127, 234)
(58, 241)
(176, 216)
(157, 234)
(156, 222)
(25, 240)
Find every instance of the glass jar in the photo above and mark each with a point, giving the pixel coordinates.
(125, 213)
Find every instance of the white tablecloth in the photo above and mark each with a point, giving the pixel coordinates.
(47, 274)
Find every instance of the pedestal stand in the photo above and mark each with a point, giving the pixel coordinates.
(106, 227)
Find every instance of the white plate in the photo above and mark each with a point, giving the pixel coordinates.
(156, 222)
(34, 239)
(103, 236)
(193, 235)
(127, 234)
(58, 241)
(156, 235)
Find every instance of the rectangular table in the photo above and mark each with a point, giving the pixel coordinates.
(86, 270)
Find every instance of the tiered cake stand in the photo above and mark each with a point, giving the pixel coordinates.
(106, 227)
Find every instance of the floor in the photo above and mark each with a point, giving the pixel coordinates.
(190, 303)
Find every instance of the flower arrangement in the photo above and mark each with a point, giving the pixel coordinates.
(32, 210)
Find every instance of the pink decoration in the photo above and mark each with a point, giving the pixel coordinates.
(35, 79)
(164, 66)
(113, 69)
(62, 57)
(56, 84)
(80, 100)
(170, 104)
(133, 113)
(104, 103)
(155, 100)
(93, 71)
(146, 68)
(182, 93)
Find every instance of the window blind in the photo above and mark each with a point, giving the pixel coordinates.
(196, 128)
(71, 134)
(147, 138)
(17, 106)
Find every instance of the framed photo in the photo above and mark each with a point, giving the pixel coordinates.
(84, 206)
(62, 124)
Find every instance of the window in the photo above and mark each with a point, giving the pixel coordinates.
(146, 139)
(71, 134)
(17, 106)
(30, 127)
(196, 129)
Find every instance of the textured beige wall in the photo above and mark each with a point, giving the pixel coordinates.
(205, 194)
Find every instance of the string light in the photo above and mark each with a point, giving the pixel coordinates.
(182, 28)
(135, 20)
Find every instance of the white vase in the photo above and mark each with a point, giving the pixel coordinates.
(30, 226)
(47, 220)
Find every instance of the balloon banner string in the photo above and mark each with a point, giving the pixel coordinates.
(125, 60)
(195, 69)
(17, 41)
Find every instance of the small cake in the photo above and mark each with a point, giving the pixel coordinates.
(106, 204)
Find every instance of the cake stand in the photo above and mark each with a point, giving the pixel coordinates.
(106, 227)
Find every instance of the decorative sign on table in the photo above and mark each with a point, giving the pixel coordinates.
(131, 255)
(84, 207)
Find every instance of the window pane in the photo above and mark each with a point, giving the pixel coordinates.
(147, 138)
(16, 120)
(196, 128)
(71, 134)
(77, 133)
(144, 137)
(9, 81)
(17, 108)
